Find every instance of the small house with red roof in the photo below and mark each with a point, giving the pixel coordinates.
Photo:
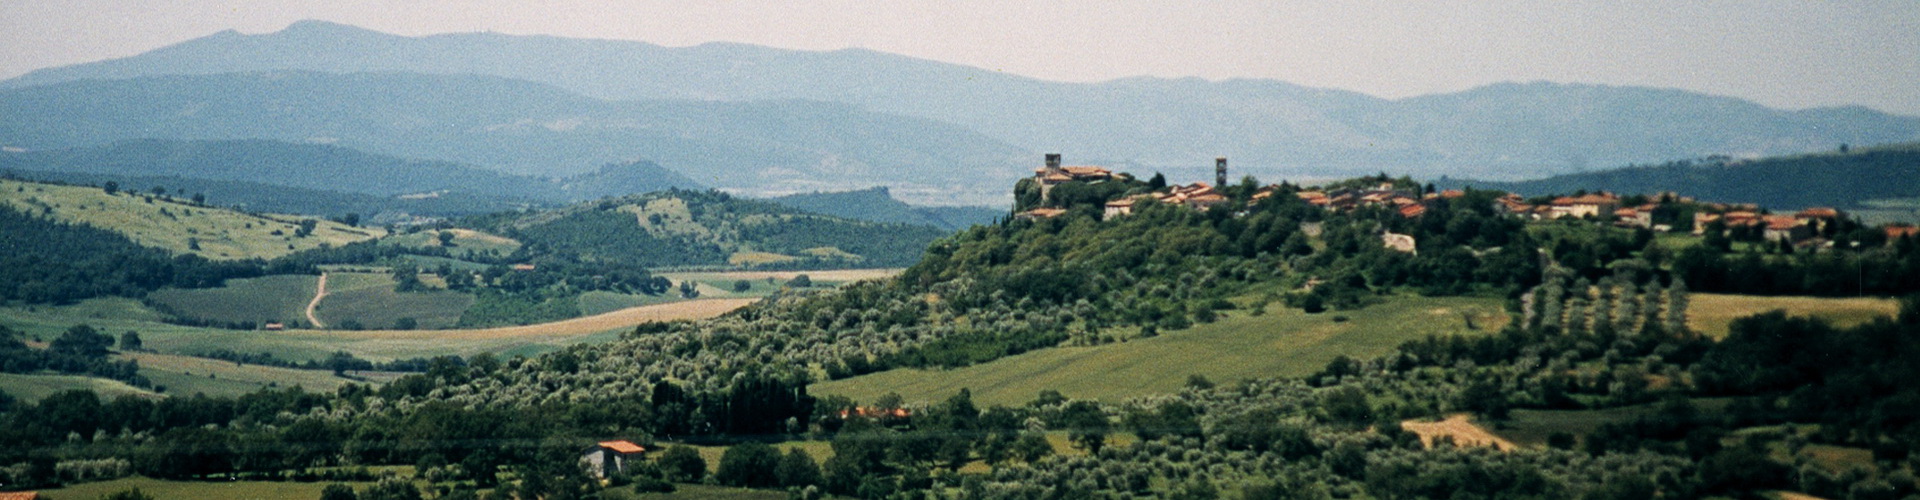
(605, 458)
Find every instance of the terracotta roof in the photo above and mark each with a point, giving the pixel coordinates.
(1044, 212)
(1818, 213)
(1056, 177)
(1413, 210)
(622, 446)
(1895, 231)
(1626, 212)
(1452, 193)
(19, 495)
(1308, 195)
(1080, 170)
(1782, 222)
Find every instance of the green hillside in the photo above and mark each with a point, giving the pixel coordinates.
(691, 228)
(1849, 179)
(878, 205)
(178, 226)
(1283, 342)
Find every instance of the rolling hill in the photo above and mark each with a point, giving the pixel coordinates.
(177, 226)
(1834, 179)
(1270, 128)
(509, 125)
(878, 205)
(691, 228)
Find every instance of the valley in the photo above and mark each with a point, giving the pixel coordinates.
(327, 261)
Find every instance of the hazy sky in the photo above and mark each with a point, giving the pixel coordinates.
(1782, 53)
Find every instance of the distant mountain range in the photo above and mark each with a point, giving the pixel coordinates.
(1270, 128)
(1834, 179)
(318, 179)
(879, 205)
(508, 125)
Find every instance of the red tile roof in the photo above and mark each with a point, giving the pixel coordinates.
(622, 446)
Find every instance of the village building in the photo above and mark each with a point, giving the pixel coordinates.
(1399, 242)
(1786, 228)
(1040, 213)
(1896, 232)
(1640, 217)
(1053, 174)
(1591, 205)
(273, 327)
(609, 457)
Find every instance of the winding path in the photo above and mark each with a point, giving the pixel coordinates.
(319, 293)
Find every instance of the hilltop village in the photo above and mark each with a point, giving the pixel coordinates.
(1055, 189)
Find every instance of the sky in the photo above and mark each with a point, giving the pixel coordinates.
(1782, 53)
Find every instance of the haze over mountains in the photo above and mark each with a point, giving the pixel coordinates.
(765, 120)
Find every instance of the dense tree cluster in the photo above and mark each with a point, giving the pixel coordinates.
(45, 261)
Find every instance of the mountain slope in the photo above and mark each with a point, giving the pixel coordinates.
(334, 168)
(1779, 183)
(1268, 127)
(879, 205)
(510, 125)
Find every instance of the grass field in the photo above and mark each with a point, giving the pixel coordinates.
(757, 258)
(260, 300)
(371, 300)
(1710, 313)
(601, 302)
(187, 375)
(1283, 342)
(1883, 211)
(208, 490)
(119, 314)
(34, 387)
(175, 226)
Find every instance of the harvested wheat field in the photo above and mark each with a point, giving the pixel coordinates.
(632, 316)
(1711, 313)
(1462, 430)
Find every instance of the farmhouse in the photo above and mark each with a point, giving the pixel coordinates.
(273, 327)
(608, 457)
(1786, 228)
(1896, 232)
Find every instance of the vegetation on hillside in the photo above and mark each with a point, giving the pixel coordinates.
(1602, 325)
(1834, 179)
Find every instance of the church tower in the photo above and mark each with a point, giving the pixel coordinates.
(1220, 172)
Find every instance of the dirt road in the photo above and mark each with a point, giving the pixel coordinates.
(320, 292)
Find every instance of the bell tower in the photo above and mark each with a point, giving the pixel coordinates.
(1220, 172)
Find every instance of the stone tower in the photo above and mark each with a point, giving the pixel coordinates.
(1220, 172)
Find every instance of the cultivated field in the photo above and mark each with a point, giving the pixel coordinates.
(34, 387)
(116, 315)
(598, 302)
(1283, 342)
(177, 226)
(1460, 429)
(1710, 313)
(187, 375)
(209, 490)
(260, 300)
(381, 306)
